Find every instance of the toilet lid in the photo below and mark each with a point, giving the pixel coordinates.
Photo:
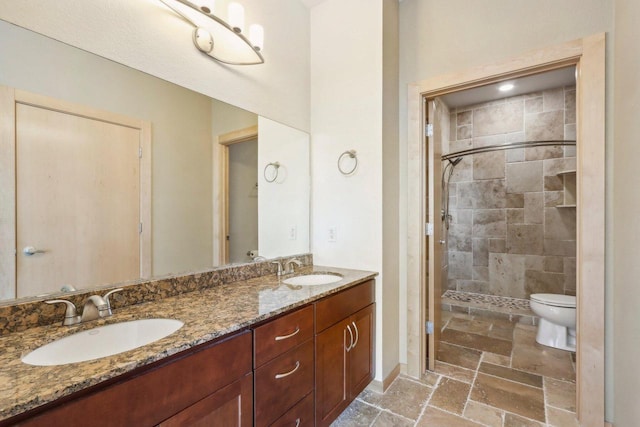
(556, 300)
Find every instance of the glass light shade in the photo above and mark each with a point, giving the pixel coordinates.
(216, 37)
(256, 36)
(236, 17)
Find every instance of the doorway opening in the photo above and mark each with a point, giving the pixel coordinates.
(587, 55)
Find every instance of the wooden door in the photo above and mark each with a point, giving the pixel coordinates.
(332, 390)
(438, 115)
(361, 367)
(78, 183)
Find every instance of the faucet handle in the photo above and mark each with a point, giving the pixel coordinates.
(106, 298)
(70, 316)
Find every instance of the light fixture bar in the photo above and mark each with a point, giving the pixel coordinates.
(217, 38)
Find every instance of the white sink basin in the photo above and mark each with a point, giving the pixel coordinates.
(102, 341)
(313, 279)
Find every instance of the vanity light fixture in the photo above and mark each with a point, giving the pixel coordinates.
(506, 87)
(221, 40)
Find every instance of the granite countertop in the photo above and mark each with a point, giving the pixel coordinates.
(207, 315)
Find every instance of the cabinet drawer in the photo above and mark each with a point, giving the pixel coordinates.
(333, 309)
(300, 415)
(282, 382)
(282, 334)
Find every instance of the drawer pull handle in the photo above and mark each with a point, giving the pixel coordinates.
(284, 337)
(351, 342)
(357, 335)
(286, 374)
(298, 422)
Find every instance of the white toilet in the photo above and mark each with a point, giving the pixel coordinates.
(557, 327)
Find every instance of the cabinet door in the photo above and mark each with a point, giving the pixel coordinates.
(332, 391)
(361, 366)
(232, 406)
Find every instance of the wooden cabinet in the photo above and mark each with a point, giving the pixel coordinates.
(213, 380)
(344, 350)
(300, 369)
(231, 406)
(284, 365)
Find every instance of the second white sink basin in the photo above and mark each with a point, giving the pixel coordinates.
(102, 341)
(313, 279)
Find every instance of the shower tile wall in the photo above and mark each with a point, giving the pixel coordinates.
(508, 236)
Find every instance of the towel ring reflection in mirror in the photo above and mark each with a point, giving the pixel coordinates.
(274, 173)
(352, 155)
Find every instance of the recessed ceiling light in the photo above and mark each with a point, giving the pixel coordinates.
(505, 87)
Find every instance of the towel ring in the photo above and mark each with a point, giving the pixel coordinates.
(276, 166)
(352, 154)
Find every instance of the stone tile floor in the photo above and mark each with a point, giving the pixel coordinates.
(489, 372)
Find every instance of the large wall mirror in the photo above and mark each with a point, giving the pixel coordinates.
(109, 174)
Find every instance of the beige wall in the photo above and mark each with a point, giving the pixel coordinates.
(348, 112)
(145, 35)
(626, 211)
(444, 36)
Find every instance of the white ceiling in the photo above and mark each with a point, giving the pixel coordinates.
(523, 85)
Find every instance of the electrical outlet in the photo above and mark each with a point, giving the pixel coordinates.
(333, 234)
(293, 232)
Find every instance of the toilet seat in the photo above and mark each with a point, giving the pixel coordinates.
(555, 300)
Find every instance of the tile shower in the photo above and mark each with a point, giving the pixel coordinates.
(513, 228)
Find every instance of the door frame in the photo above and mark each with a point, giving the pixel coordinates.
(588, 55)
(221, 226)
(9, 98)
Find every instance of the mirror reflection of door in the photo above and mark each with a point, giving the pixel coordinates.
(78, 193)
(243, 201)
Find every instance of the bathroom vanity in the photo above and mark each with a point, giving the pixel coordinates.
(273, 355)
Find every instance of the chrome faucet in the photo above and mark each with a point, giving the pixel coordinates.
(95, 307)
(289, 268)
(279, 264)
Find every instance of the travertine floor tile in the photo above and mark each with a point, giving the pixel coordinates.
(459, 356)
(387, 419)
(356, 415)
(560, 394)
(511, 374)
(450, 395)
(433, 417)
(455, 372)
(560, 418)
(496, 359)
(512, 420)
(532, 357)
(405, 397)
(483, 414)
(510, 396)
(477, 342)
(481, 327)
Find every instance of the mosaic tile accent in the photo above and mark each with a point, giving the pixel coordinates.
(20, 315)
(488, 300)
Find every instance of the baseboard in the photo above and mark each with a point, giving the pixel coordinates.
(608, 424)
(382, 386)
